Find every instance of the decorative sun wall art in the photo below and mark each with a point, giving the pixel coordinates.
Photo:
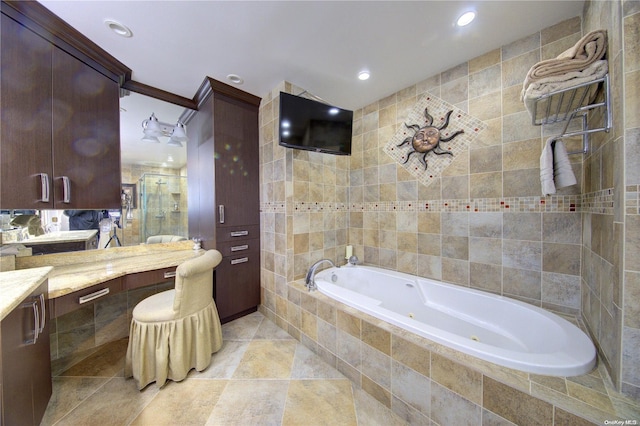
(446, 134)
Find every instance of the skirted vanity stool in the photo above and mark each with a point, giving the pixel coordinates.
(176, 330)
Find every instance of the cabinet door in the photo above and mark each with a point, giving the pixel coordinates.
(237, 286)
(86, 136)
(25, 108)
(236, 156)
(26, 366)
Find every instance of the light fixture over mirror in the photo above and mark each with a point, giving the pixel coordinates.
(134, 108)
(154, 129)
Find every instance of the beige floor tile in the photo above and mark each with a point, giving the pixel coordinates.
(189, 402)
(269, 330)
(250, 402)
(68, 393)
(243, 328)
(224, 362)
(267, 359)
(320, 402)
(308, 365)
(247, 383)
(118, 402)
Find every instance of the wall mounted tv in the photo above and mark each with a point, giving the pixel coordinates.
(314, 126)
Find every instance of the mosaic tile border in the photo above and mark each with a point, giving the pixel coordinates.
(599, 202)
(632, 200)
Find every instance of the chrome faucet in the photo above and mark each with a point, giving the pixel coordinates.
(309, 281)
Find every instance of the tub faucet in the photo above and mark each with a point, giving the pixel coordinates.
(309, 281)
(353, 260)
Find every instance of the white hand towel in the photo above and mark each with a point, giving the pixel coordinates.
(555, 167)
(562, 171)
(546, 169)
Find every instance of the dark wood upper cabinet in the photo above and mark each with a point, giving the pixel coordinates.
(60, 144)
(237, 165)
(86, 136)
(25, 109)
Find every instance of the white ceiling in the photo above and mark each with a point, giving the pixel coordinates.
(318, 45)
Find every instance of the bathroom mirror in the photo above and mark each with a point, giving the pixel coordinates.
(154, 178)
(156, 171)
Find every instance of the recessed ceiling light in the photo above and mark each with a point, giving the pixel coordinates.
(364, 75)
(466, 18)
(118, 28)
(235, 79)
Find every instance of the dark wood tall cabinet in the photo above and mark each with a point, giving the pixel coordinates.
(224, 198)
(60, 133)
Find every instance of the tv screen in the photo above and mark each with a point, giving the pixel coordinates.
(314, 126)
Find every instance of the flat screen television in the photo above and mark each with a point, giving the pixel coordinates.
(314, 126)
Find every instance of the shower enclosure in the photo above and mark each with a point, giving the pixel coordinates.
(163, 200)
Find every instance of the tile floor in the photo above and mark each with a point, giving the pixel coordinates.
(261, 376)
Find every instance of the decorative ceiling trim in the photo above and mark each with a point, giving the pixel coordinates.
(436, 164)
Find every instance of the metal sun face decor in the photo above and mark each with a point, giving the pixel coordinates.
(447, 145)
(428, 138)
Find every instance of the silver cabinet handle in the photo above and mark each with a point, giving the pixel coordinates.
(44, 187)
(239, 233)
(93, 296)
(241, 260)
(221, 213)
(240, 248)
(36, 321)
(43, 318)
(66, 188)
(170, 274)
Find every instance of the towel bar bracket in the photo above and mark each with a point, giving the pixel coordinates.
(575, 102)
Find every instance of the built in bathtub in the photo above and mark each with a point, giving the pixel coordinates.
(498, 329)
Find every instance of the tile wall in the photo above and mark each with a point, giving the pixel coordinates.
(131, 173)
(611, 235)
(482, 223)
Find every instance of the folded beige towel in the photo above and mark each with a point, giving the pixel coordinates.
(555, 167)
(590, 48)
(551, 84)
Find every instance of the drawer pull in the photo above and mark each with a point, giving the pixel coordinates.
(44, 184)
(170, 274)
(241, 260)
(93, 296)
(239, 233)
(43, 314)
(240, 248)
(66, 189)
(36, 321)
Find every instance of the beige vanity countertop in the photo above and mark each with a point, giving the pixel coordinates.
(61, 237)
(16, 285)
(75, 271)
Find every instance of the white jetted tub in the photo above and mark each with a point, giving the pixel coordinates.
(498, 329)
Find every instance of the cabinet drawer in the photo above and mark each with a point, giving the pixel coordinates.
(80, 298)
(143, 279)
(236, 233)
(237, 285)
(238, 248)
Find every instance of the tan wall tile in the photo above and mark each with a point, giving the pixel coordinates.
(514, 405)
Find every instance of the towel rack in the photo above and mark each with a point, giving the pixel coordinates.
(575, 102)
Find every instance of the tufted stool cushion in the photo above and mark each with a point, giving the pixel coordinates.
(176, 330)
